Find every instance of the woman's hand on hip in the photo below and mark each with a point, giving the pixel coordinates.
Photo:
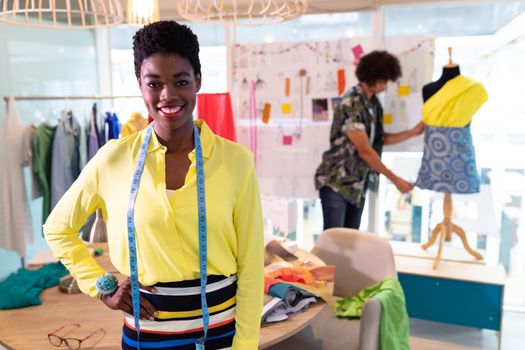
(121, 300)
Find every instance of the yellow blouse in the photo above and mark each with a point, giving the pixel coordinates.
(167, 230)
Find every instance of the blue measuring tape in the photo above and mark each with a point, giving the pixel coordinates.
(201, 200)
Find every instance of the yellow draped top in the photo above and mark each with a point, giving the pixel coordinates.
(455, 103)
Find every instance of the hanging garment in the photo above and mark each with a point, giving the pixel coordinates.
(93, 134)
(42, 153)
(15, 222)
(216, 110)
(102, 129)
(112, 126)
(282, 299)
(449, 158)
(135, 122)
(65, 163)
(83, 145)
(29, 133)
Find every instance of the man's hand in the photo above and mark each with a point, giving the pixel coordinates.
(402, 185)
(418, 129)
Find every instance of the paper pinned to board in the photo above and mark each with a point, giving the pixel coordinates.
(358, 52)
(387, 119)
(266, 112)
(403, 90)
(341, 81)
(287, 84)
(287, 140)
(286, 108)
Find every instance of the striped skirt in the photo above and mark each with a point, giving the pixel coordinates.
(179, 322)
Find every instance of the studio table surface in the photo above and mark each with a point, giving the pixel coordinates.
(27, 328)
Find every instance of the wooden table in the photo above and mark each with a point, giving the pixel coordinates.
(27, 328)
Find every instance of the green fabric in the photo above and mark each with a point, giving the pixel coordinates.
(22, 288)
(394, 319)
(42, 154)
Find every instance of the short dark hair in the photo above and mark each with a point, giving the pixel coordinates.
(378, 66)
(166, 37)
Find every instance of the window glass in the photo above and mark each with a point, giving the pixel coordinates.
(451, 19)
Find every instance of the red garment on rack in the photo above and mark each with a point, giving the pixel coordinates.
(216, 110)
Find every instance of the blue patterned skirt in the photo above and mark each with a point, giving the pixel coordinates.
(449, 161)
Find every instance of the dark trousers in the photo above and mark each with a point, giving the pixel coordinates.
(337, 211)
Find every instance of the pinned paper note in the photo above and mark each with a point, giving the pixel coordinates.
(287, 140)
(403, 90)
(286, 108)
(266, 113)
(358, 52)
(387, 119)
(341, 81)
(287, 87)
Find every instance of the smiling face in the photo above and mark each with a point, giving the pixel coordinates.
(169, 87)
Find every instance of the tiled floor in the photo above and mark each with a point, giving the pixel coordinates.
(425, 335)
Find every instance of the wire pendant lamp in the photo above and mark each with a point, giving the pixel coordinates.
(61, 13)
(242, 12)
(141, 12)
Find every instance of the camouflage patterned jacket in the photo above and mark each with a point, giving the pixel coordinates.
(341, 168)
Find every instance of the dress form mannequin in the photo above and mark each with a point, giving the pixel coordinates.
(446, 227)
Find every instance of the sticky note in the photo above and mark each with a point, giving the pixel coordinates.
(403, 90)
(287, 87)
(387, 118)
(287, 140)
(357, 51)
(286, 108)
(341, 81)
(266, 113)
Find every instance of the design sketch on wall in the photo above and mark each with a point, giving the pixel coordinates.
(286, 165)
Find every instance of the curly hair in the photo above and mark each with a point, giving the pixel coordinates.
(378, 66)
(166, 37)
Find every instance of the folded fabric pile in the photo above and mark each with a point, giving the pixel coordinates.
(22, 288)
(310, 277)
(291, 284)
(282, 299)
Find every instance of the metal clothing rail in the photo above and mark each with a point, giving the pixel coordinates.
(94, 97)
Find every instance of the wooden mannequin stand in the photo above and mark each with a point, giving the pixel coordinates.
(444, 230)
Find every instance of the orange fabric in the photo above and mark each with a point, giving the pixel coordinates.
(268, 282)
(293, 274)
(216, 110)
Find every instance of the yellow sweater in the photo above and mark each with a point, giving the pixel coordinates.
(167, 230)
(135, 122)
(455, 103)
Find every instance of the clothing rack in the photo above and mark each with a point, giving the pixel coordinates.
(94, 97)
(43, 98)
